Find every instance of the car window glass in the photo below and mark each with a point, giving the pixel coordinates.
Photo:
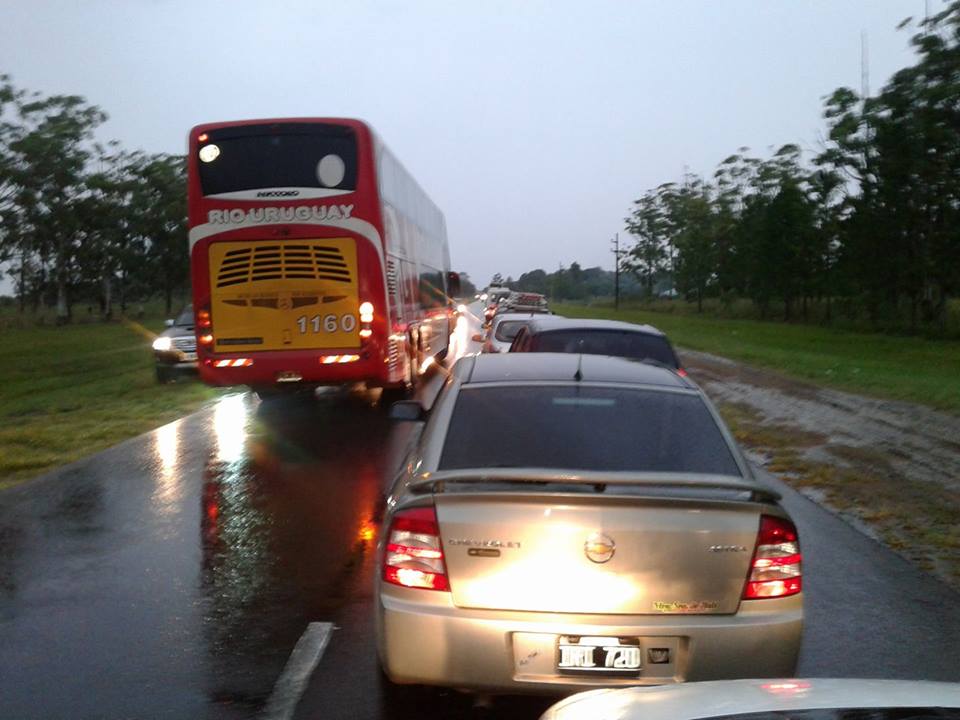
(619, 343)
(585, 428)
(520, 340)
(508, 329)
(185, 317)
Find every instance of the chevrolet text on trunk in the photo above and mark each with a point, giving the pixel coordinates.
(574, 520)
(315, 257)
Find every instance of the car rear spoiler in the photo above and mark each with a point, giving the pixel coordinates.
(659, 484)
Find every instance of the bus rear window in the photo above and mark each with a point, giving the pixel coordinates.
(303, 159)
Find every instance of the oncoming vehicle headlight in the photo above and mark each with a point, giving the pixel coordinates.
(162, 344)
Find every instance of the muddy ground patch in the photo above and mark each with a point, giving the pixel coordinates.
(891, 468)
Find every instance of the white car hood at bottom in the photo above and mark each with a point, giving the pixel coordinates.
(689, 701)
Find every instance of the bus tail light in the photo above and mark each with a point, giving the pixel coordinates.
(775, 569)
(414, 556)
(204, 326)
(366, 312)
(366, 317)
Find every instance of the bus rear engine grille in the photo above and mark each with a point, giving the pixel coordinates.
(302, 261)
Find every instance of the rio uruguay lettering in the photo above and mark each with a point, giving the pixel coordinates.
(301, 213)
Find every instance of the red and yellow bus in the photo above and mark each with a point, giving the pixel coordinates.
(316, 259)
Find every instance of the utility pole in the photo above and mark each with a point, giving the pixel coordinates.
(616, 271)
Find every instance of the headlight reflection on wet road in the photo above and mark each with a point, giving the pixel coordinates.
(230, 417)
(166, 448)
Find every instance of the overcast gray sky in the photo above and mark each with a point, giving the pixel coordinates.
(533, 125)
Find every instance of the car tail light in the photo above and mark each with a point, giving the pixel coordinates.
(414, 556)
(775, 569)
(681, 372)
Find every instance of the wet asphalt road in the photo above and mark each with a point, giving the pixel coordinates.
(170, 576)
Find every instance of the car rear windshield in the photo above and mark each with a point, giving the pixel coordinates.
(508, 329)
(619, 343)
(285, 155)
(583, 427)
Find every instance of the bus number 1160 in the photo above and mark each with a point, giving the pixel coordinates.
(327, 323)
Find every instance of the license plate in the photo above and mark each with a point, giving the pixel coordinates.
(600, 655)
(189, 356)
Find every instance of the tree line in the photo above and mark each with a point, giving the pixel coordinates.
(871, 223)
(578, 283)
(80, 220)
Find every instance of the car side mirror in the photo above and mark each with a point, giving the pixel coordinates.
(408, 411)
(168, 322)
(477, 337)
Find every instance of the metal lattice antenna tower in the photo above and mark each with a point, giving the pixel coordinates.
(864, 66)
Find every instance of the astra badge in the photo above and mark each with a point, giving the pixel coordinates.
(599, 548)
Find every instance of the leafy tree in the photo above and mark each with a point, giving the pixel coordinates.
(159, 207)
(534, 281)
(51, 150)
(647, 224)
(695, 228)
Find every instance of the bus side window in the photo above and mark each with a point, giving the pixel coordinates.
(432, 294)
(408, 282)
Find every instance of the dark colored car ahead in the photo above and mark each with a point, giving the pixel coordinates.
(175, 349)
(596, 337)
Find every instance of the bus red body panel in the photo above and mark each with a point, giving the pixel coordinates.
(297, 227)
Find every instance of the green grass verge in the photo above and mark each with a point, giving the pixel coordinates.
(888, 366)
(71, 391)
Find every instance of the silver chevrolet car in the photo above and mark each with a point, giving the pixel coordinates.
(574, 521)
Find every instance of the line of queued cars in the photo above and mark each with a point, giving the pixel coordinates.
(575, 515)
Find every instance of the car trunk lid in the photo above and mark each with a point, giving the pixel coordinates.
(596, 553)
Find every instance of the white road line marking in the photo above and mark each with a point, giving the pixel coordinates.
(293, 680)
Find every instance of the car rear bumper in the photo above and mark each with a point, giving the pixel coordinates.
(426, 640)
